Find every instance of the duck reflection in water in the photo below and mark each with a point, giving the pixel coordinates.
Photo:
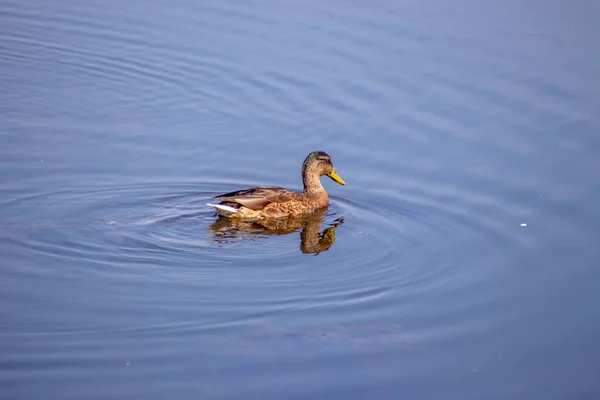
(313, 240)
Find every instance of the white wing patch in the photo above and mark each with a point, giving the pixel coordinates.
(223, 207)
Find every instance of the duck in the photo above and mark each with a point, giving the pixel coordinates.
(266, 202)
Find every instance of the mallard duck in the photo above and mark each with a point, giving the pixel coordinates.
(262, 202)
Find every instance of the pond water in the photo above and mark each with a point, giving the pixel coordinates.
(460, 261)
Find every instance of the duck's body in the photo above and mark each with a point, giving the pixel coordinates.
(262, 202)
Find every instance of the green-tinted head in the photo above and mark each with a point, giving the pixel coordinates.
(320, 163)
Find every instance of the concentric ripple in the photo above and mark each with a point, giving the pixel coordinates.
(369, 253)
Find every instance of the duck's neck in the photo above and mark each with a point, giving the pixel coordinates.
(312, 184)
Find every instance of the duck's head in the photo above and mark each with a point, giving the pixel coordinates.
(319, 163)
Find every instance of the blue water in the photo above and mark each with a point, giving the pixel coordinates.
(460, 261)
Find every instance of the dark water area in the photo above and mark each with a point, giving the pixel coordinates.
(459, 261)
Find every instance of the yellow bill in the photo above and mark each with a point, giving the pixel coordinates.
(333, 175)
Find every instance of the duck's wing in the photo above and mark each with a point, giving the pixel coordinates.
(257, 198)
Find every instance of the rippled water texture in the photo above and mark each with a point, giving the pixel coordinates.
(460, 261)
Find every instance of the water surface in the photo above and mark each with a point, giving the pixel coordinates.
(459, 261)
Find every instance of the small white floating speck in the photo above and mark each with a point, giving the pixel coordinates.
(523, 224)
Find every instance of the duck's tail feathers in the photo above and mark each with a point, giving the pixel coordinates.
(223, 207)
